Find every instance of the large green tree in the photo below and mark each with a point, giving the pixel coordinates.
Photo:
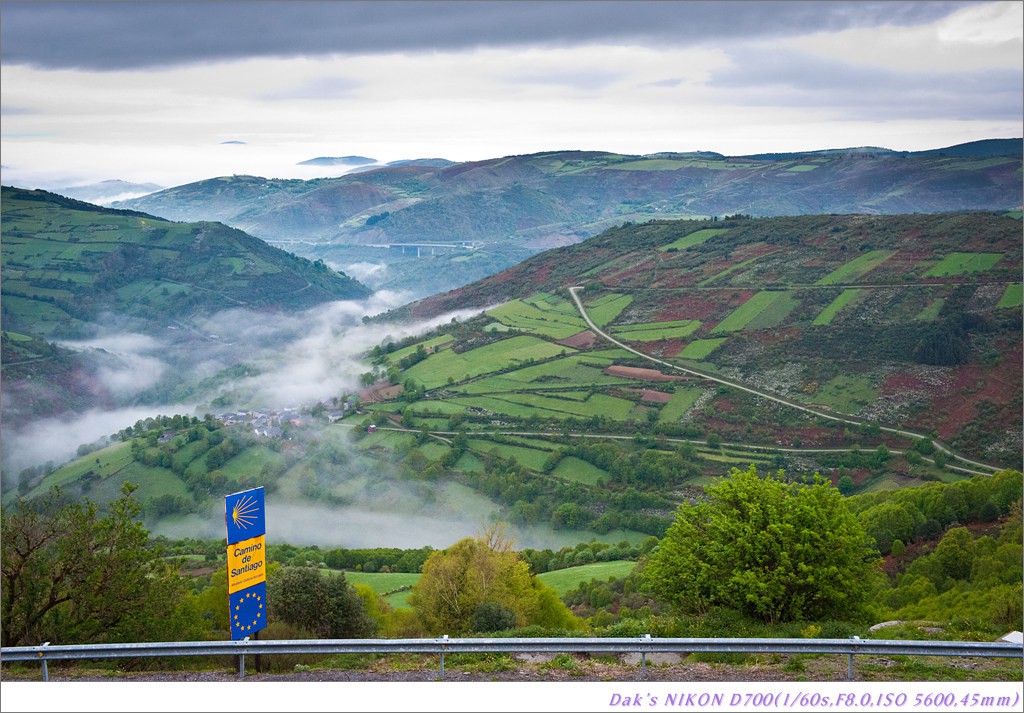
(774, 550)
(479, 581)
(74, 575)
(325, 605)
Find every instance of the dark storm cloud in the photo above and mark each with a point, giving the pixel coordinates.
(125, 35)
(790, 78)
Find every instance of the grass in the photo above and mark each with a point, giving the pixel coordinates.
(1013, 296)
(964, 264)
(574, 371)
(529, 457)
(435, 370)
(682, 401)
(747, 312)
(931, 312)
(656, 331)
(528, 317)
(848, 394)
(845, 298)
(701, 349)
(856, 268)
(580, 471)
(604, 310)
(694, 239)
(565, 580)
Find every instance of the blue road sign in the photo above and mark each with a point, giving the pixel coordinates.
(244, 514)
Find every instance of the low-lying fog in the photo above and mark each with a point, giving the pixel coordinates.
(297, 359)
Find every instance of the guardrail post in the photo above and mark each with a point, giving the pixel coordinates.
(241, 660)
(444, 643)
(646, 638)
(46, 671)
(849, 667)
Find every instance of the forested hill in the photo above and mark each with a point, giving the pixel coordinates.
(66, 262)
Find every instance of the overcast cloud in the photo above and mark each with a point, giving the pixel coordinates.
(172, 92)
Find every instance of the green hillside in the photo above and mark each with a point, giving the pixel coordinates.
(65, 263)
(899, 321)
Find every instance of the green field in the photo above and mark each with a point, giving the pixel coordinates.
(578, 371)
(529, 457)
(856, 268)
(847, 394)
(435, 370)
(746, 313)
(1012, 297)
(572, 468)
(604, 310)
(565, 580)
(681, 402)
(694, 239)
(931, 312)
(826, 316)
(701, 349)
(964, 264)
(656, 331)
(527, 317)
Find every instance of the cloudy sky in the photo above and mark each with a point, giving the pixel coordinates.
(172, 92)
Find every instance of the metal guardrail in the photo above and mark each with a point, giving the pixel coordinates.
(643, 645)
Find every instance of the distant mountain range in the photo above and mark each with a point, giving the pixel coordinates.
(515, 204)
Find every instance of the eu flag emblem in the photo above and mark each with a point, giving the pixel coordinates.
(248, 611)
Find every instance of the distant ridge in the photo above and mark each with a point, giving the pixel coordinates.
(974, 149)
(337, 161)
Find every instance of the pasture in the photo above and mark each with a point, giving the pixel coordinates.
(656, 331)
(845, 299)
(693, 239)
(438, 368)
(565, 580)
(963, 264)
(605, 309)
(682, 401)
(856, 268)
(701, 348)
(1013, 296)
(746, 313)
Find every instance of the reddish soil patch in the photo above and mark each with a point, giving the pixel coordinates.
(695, 306)
(381, 391)
(633, 271)
(651, 396)
(632, 372)
(583, 340)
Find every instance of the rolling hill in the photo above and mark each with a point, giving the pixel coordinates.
(70, 266)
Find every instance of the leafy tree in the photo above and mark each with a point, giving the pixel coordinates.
(474, 571)
(324, 605)
(770, 549)
(72, 575)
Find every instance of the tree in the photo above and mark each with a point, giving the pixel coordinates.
(324, 605)
(773, 550)
(483, 570)
(72, 576)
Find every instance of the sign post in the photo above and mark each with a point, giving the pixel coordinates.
(244, 514)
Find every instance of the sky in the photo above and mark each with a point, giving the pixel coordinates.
(173, 92)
